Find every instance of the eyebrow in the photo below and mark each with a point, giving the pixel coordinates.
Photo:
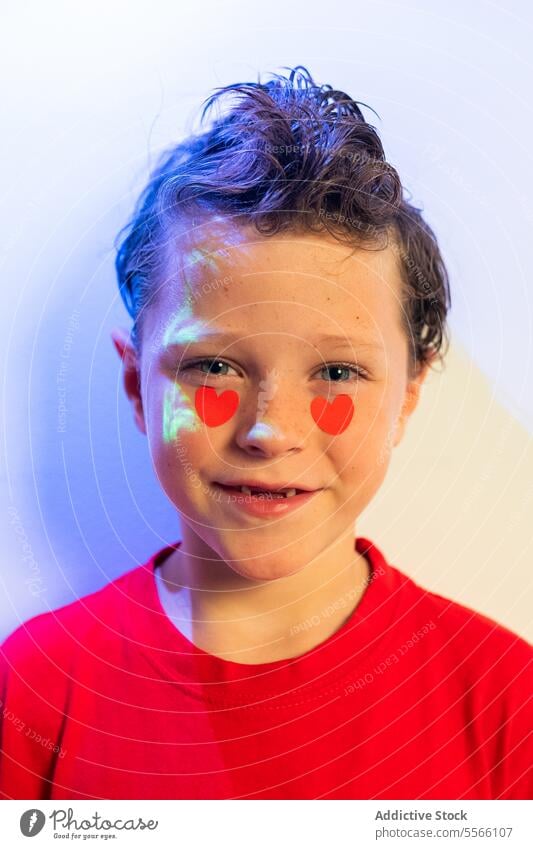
(339, 340)
(348, 340)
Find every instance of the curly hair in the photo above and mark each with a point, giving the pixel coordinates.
(290, 155)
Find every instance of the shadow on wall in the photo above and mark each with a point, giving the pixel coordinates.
(455, 512)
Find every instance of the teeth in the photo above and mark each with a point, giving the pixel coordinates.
(288, 493)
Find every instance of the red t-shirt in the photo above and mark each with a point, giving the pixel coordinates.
(413, 697)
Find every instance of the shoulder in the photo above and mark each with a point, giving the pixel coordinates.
(451, 632)
(459, 622)
(474, 648)
(451, 618)
(50, 639)
(488, 670)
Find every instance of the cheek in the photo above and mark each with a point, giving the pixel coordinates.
(179, 446)
(363, 423)
(215, 409)
(181, 415)
(373, 433)
(176, 435)
(169, 413)
(333, 417)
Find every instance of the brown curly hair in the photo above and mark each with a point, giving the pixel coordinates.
(290, 155)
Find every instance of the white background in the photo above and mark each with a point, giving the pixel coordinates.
(90, 93)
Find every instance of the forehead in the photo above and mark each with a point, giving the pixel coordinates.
(231, 276)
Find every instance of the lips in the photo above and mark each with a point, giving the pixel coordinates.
(264, 505)
(264, 486)
(288, 492)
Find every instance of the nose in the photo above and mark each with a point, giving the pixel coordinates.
(273, 424)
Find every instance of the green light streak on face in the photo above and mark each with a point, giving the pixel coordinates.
(172, 334)
(184, 335)
(200, 255)
(177, 414)
(182, 329)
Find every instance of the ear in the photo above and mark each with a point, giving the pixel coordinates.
(132, 373)
(412, 396)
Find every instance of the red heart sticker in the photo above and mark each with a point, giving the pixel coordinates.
(213, 409)
(335, 416)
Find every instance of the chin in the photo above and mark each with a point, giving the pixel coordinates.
(265, 567)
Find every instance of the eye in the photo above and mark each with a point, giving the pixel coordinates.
(196, 366)
(338, 368)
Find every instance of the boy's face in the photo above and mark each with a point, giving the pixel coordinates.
(273, 301)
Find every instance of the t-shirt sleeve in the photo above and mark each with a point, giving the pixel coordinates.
(33, 698)
(507, 716)
(492, 667)
(516, 765)
(519, 781)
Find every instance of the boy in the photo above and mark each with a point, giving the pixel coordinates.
(287, 303)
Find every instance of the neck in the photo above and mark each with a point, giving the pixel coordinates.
(227, 615)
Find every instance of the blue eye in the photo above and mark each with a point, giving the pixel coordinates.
(195, 367)
(336, 368)
(340, 367)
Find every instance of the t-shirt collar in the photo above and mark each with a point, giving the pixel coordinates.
(310, 675)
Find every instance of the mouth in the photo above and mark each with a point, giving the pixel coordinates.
(259, 493)
(264, 503)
